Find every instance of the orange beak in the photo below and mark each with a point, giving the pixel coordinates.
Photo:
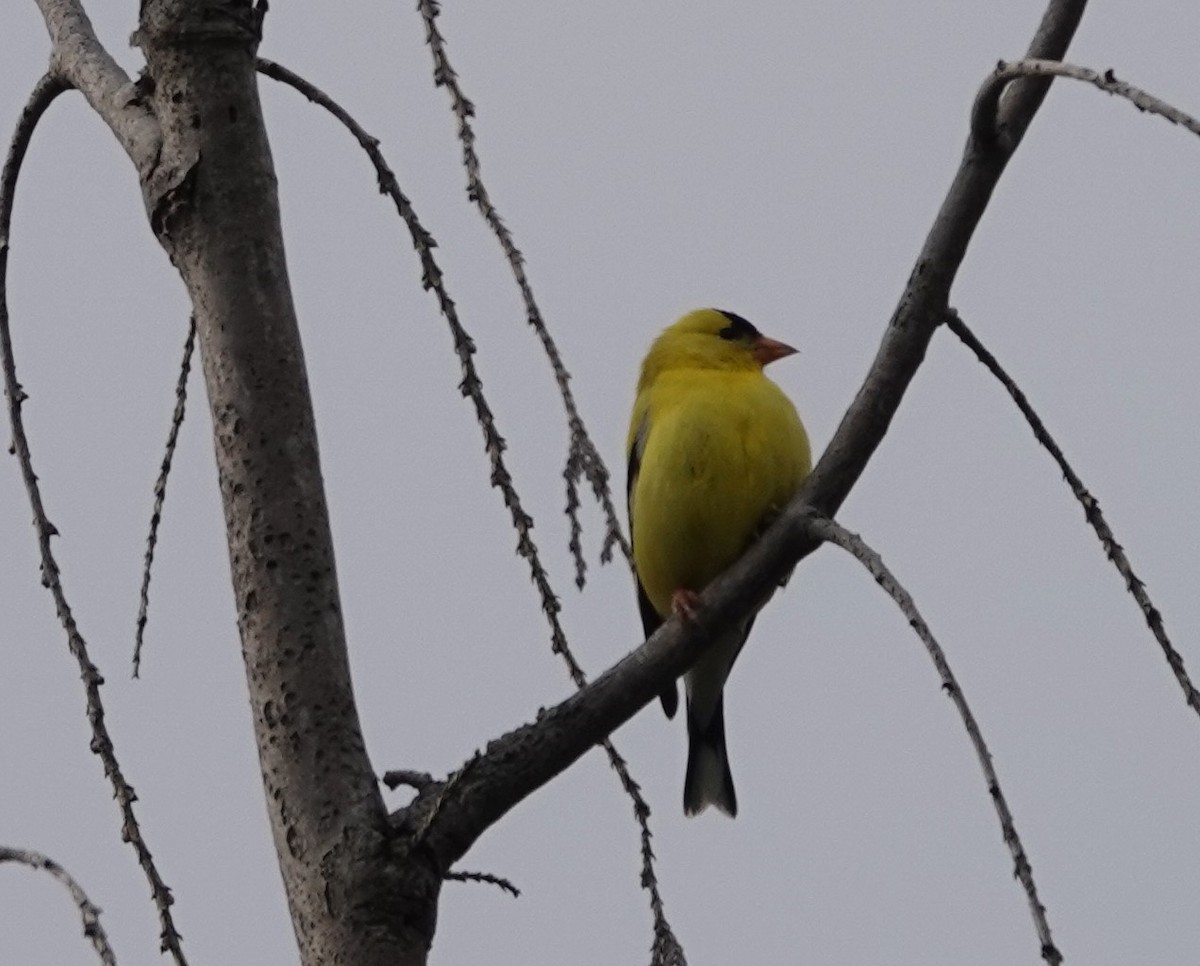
(768, 350)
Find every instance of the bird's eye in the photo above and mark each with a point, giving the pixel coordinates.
(729, 333)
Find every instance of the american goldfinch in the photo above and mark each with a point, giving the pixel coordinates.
(715, 448)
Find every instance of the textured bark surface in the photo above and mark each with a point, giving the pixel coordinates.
(217, 215)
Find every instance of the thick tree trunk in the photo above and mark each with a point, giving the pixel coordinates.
(219, 220)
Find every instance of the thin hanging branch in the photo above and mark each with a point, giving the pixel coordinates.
(1091, 508)
(160, 491)
(984, 113)
(583, 459)
(487, 877)
(47, 89)
(89, 912)
(464, 346)
(822, 528)
(472, 387)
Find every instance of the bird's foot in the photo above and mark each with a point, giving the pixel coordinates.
(686, 604)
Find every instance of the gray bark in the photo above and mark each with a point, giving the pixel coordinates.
(219, 221)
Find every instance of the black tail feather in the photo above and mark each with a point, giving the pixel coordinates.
(709, 780)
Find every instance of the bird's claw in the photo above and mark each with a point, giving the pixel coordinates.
(685, 604)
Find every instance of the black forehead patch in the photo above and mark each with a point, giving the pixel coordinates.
(738, 328)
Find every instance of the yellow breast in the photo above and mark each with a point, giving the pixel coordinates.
(719, 451)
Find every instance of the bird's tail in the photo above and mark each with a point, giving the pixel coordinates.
(708, 780)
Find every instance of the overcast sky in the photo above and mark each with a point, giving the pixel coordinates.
(781, 160)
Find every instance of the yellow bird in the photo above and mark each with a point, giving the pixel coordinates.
(715, 449)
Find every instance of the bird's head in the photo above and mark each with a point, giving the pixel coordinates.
(712, 339)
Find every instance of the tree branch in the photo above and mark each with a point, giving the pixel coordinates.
(984, 113)
(160, 492)
(926, 295)
(44, 93)
(521, 761)
(583, 459)
(822, 528)
(498, 881)
(82, 62)
(89, 912)
(1091, 509)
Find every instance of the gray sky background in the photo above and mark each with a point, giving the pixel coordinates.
(782, 160)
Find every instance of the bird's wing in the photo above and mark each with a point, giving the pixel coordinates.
(651, 620)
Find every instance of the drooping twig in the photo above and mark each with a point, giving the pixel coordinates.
(160, 491)
(88, 910)
(495, 880)
(1091, 508)
(983, 116)
(464, 346)
(583, 459)
(472, 387)
(46, 90)
(832, 532)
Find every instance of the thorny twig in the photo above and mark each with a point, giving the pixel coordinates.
(583, 459)
(823, 528)
(160, 491)
(495, 880)
(1091, 508)
(43, 94)
(89, 912)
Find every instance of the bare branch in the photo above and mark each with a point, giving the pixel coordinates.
(43, 94)
(160, 491)
(823, 528)
(1091, 508)
(583, 459)
(983, 115)
(82, 62)
(1050, 42)
(923, 303)
(464, 346)
(487, 877)
(88, 911)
